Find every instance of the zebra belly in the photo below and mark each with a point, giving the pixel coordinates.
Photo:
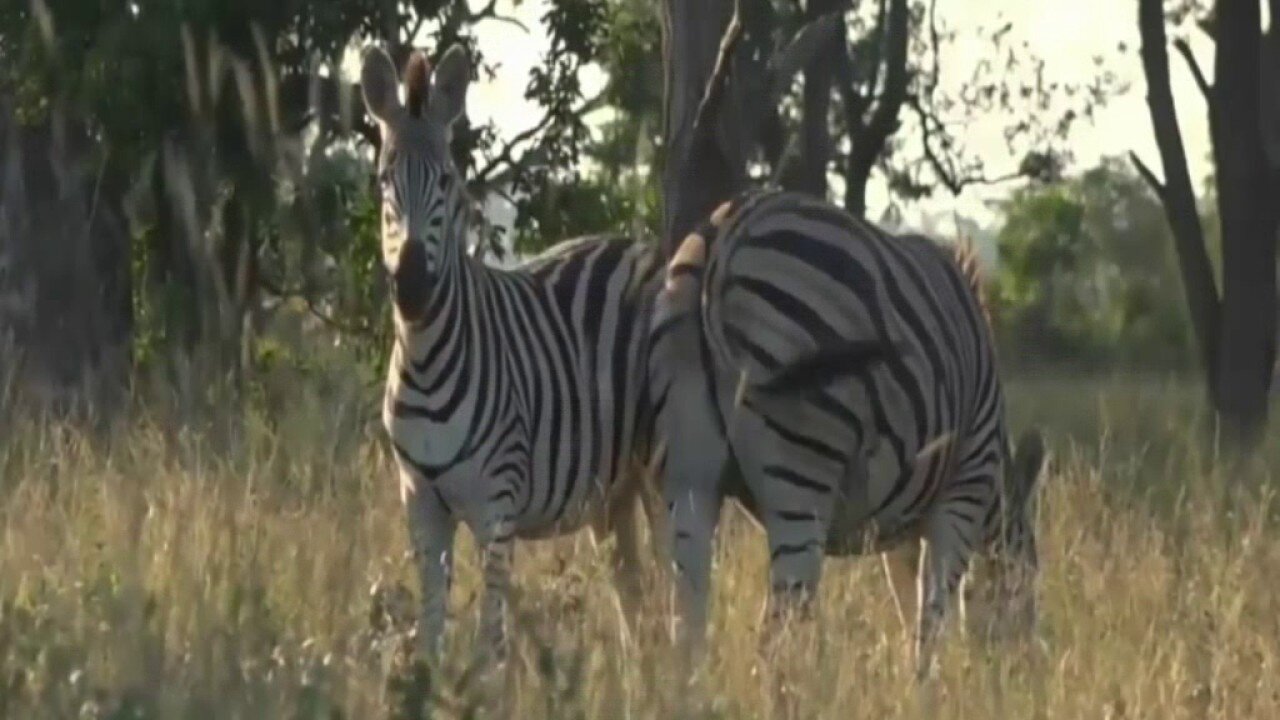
(584, 505)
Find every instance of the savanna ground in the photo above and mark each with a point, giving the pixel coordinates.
(250, 567)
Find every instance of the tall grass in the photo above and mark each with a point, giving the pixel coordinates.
(171, 571)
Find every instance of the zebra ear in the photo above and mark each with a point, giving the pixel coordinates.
(380, 85)
(449, 92)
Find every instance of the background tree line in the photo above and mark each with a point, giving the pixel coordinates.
(186, 186)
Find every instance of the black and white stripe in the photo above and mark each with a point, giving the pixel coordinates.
(515, 400)
(850, 376)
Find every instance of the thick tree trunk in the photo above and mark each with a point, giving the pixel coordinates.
(1237, 334)
(700, 172)
(65, 295)
(1247, 204)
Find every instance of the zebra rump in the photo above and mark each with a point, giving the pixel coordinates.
(852, 376)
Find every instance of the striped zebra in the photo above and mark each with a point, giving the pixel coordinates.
(515, 399)
(850, 376)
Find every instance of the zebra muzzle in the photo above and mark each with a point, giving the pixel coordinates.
(412, 281)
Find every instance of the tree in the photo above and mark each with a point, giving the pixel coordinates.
(202, 141)
(871, 98)
(1235, 325)
(1088, 273)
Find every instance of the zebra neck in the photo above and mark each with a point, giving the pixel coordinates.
(446, 330)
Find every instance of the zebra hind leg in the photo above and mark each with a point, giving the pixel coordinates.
(795, 567)
(950, 538)
(693, 515)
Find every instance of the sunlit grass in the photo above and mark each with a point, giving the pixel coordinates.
(166, 573)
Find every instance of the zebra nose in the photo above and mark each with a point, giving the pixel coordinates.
(412, 281)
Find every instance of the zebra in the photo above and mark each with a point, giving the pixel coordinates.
(850, 376)
(515, 399)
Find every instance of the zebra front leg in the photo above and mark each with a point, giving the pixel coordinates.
(497, 541)
(628, 572)
(431, 531)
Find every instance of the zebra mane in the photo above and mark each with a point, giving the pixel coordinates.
(417, 79)
(965, 255)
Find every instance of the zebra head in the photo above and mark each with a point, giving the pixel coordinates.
(423, 200)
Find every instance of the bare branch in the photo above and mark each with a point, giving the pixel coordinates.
(324, 317)
(951, 178)
(1150, 177)
(877, 50)
(869, 139)
(413, 33)
(811, 38)
(708, 109)
(854, 102)
(885, 116)
(503, 165)
(1185, 51)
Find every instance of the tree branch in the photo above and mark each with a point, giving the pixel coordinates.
(328, 320)
(952, 179)
(1157, 187)
(490, 12)
(870, 139)
(1185, 51)
(494, 173)
(785, 63)
(877, 51)
(704, 120)
(1179, 198)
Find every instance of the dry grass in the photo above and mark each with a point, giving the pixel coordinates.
(166, 574)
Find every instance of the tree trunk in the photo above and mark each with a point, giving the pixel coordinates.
(700, 172)
(869, 137)
(1247, 204)
(815, 128)
(1237, 334)
(65, 296)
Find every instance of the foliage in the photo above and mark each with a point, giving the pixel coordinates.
(230, 138)
(584, 207)
(1089, 273)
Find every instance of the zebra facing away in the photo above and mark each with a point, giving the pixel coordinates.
(515, 400)
(850, 375)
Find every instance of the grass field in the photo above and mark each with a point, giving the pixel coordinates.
(229, 572)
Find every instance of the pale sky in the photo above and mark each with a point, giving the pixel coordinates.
(1066, 35)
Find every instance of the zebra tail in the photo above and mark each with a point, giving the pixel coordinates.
(1027, 464)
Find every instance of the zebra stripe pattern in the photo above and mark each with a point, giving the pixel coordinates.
(515, 400)
(851, 378)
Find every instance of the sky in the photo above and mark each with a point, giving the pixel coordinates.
(1066, 34)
